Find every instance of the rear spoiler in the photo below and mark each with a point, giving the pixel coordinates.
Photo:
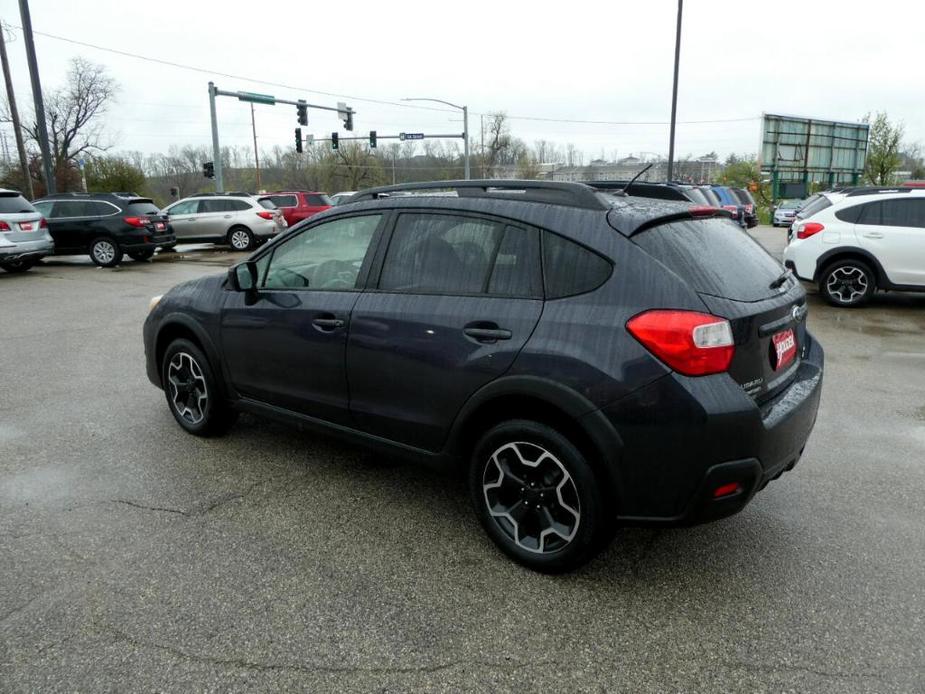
(674, 213)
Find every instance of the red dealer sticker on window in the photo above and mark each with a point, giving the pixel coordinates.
(785, 348)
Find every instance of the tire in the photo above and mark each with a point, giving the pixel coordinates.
(105, 252)
(507, 462)
(241, 239)
(193, 393)
(847, 283)
(17, 266)
(140, 256)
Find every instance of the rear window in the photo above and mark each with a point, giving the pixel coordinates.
(283, 200)
(318, 200)
(266, 203)
(814, 205)
(697, 196)
(14, 204)
(142, 208)
(714, 257)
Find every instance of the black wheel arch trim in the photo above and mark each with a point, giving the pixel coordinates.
(847, 252)
(583, 414)
(172, 320)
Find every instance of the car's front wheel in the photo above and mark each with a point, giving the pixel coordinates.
(241, 239)
(105, 252)
(192, 391)
(537, 497)
(847, 283)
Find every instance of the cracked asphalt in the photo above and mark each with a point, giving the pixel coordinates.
(136, 558)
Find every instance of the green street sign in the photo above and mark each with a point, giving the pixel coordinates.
(257, 98)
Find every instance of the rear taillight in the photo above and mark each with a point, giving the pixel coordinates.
(4, 226)
(265, 214)
(43, 224)
(139, 222)
(691, 343)
(807, 229)
(731, 208)
(749, 208)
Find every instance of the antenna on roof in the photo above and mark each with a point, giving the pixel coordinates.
(634, 179)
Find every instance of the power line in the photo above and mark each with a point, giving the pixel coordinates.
(183, 66)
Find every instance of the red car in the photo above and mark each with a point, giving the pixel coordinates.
(299, 205)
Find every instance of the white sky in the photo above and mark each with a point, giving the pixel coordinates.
(608, 61)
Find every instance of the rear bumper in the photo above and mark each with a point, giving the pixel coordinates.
(685, 437)
(149, 242)
(27, 250)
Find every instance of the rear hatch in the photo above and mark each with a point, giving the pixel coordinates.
(143, 213)
(738, 280)
(19, 220)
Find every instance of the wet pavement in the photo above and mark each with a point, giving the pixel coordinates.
(135, 557)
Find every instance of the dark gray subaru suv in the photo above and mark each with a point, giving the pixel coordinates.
(589, 359)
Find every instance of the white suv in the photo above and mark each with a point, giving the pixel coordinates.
(241, 221)
(856, 241)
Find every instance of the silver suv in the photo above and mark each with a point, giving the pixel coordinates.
(24, 237)
(240, 220)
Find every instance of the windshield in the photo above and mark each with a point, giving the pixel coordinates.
(14, 203)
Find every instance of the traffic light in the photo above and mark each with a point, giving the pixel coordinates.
(372, 139)
(302, 109)
(334, 142)
(208, 169)
(298, 140)
(348, 121)
(346, 115)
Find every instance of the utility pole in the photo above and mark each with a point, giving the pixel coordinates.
(466, 139)
(256, 156)
(42, 126)
(216, 151)
(674, 92)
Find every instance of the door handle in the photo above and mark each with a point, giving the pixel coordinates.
(488, 335)
(227, 216)
(873, 235)
(327, 323)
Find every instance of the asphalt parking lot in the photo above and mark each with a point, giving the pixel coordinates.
(134, 557)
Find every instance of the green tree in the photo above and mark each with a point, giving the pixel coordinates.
(883, 157)
(110, 174)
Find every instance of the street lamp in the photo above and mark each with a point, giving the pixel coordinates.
(465, 110)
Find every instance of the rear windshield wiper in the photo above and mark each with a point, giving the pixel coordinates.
(780, 280)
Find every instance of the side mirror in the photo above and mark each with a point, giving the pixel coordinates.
(243, 277)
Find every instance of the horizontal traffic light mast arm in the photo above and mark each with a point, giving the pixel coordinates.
(389, 137)
(267, 99)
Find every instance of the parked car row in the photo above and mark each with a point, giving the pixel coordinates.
(110, 226)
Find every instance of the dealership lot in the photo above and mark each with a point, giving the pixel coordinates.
(137, 557)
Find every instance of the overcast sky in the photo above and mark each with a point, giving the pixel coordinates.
(597, 61)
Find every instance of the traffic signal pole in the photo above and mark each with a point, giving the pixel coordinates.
(344, 111)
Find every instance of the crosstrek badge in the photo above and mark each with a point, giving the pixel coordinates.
(785, 348)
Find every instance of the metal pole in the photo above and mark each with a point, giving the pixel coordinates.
(14, 116)
(466, 138)
(482, 154)
(216, 150)
(674, 92)
(41, 125)
(256, 157)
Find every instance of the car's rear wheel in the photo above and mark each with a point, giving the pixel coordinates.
(192, 391)
(537, 497)
(17, 265)
(141, 256)
(241, 238)
(105, 252)
(847, 283)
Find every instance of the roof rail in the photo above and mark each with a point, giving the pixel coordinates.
(871, 190)
(553, 193)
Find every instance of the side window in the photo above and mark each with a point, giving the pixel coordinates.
(570, 268)
(901, 213)
(871, 213)
(235, 206)
(328, 256)
(518, 270)
(283, 200)
(214, 205)
(44, 208)
(850, 214)
(101, 208)
(317, 200)
(185, 207)
(71, 208)
(439, 253)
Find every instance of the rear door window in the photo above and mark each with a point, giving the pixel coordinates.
(318, 199)
(65, 209)
(440, 254)
(570, 268)
(282, 200)
(518, 271)
(14, 204)
(713, 256)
